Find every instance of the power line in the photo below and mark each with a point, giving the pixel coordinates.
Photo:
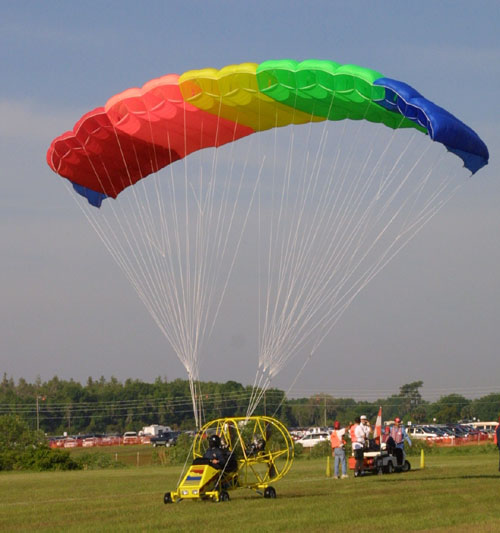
(177, 399)
(152, 403)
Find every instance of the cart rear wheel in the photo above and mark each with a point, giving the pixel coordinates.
(167, 498)
(270, 493)
(406, 467)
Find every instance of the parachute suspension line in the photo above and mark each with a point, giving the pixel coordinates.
(384, 260)
(197, 400)
(222, 249)
(259, 221)
(117, 251)
(192, 388)
(370, 273)
(263, 379)
(259, 387)
(292, 384)
(285, 261)
(326, 238)
(225, 214)
(155, 268)
(184, 466)
(354, 227)
(381, 264)
(167, 255)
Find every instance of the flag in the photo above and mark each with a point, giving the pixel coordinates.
(377, 432)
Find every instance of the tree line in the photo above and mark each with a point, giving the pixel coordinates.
(111, 406)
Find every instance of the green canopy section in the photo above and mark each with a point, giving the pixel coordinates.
(330, 90)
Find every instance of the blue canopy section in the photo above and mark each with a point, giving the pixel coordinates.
(94, 198)
(442, 126)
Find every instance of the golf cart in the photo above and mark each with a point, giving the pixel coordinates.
(383, 459)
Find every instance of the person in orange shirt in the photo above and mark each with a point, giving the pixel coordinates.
(337, 441)
(497, 439)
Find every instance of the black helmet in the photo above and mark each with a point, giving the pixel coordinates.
(214, 441)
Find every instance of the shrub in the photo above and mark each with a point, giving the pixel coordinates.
(299, 450)
(24, 449)
(8, 459)
(177, 454)
(97, 460)
(322, 449)
(43, 458)
(417, 446)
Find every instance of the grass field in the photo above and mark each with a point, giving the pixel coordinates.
(459, 493)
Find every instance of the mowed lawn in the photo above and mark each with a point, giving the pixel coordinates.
(453, 493)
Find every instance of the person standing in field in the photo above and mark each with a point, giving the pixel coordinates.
(365, 424)
(358, 437)
(497, 439)
(337, 441)
(399, 435)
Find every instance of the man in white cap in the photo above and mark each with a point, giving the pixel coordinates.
(358, 445)
(366, 426)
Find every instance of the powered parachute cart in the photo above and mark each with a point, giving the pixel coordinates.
(259, 451)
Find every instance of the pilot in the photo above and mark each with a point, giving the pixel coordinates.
(215, 454)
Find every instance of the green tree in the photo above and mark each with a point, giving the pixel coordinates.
(486, 408)
(15, 434)
(15, 439)
(410, 394)
(449, 408)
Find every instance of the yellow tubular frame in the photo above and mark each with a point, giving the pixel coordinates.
(231, 431)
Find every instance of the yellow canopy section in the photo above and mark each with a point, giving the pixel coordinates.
(233, 93)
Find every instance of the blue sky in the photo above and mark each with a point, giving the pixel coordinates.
(431, 315)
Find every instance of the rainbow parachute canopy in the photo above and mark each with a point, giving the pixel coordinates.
(140, 131)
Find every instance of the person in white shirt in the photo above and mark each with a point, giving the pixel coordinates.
(358, 445)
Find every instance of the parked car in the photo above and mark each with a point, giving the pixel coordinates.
(459, 430)
(166, 438)
(311, 439)
(130, 437)
(423, 432)
(440, 431)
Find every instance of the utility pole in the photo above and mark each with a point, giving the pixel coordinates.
(38, 398)
(324, 413)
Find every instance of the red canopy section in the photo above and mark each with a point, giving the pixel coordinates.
(137, 133)
(100, 157)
